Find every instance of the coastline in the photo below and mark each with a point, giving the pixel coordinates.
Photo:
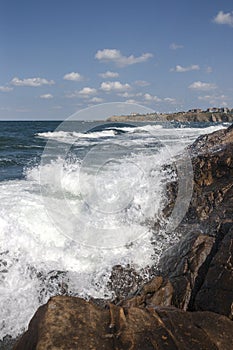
(185, 292)
(176, 117)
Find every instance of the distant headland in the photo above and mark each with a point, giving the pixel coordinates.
(193, 115)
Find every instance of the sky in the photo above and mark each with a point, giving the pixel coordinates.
(60, 56)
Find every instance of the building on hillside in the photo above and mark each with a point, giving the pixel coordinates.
(213, 110)
(195, 110)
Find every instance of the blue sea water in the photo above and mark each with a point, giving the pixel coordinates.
(76, 201)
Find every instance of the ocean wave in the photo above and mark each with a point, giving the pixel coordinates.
(72, 135)
(34, 247)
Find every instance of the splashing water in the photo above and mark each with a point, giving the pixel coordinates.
(47, 250)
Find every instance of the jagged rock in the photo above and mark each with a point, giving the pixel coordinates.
(216, 293)
(73, 323)
(212, 160)
(181, 268)
(124, 280)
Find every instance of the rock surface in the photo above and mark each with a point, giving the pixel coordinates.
(180, 269)
(73, 323)
(188, 304)
(216, 293)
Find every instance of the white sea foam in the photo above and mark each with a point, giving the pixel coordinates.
(157, 130)
(67, 136)
(32, 246)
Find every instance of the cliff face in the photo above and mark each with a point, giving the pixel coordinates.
(188, 304)
(179, 117)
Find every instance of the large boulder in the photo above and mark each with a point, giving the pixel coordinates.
(73, 323)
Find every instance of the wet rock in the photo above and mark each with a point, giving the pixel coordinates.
(212, 158)
(8, 342)
(124, 280)
(216, 293)
(73, 323)
(212, 161)
(181, 269)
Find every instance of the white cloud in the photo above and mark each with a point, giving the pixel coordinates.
(126, 94)
(175, 46)
(209, 69)
(214, 99)
(87, 91)
(46, 96)
(109, 74)
(180, 69)
(115, 56)
(131, 101)
(141, 83)
(97, 100)
(34, 82)
(73, 76)
(114, 86)
(224, 18)
(198, 85)
(5, 89)
(149, 97)
(169, 100)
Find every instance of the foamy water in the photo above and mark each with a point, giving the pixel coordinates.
(46, 248)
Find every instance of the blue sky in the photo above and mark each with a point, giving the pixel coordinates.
(60, 56)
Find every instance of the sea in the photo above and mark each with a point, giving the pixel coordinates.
(77, 200)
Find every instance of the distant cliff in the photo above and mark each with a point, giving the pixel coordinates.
(179, 117)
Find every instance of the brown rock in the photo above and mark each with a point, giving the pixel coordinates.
(212, 160)
(67, 323)
(181, 268)
(216, 293)
(71, 323)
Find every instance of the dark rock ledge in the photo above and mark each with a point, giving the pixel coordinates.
(189, 304)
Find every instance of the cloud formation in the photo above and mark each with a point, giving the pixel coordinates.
(87, 91)
(170, 100)
(224, 18)
(141, 83)
(109, 74)
(73, 76)
(34, 82)
(180, 69)
(199, 85)
(46, 96)
(97, 100)
(115, 56)
(5, 89)
(175, 46)
(114, 86)
(149, 97)
(214, 99)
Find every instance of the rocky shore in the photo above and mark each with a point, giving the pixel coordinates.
(188, 304)
(178, 117)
